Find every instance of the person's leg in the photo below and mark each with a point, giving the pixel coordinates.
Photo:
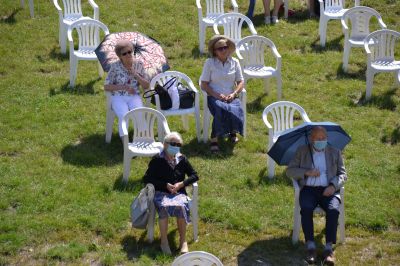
(267, 13)
(163, 222)
(331, 206)
(277, 5)
(308, 202)
(250, 12)
(311, 8)
(120, 108)
(134, 101)
(182, 235)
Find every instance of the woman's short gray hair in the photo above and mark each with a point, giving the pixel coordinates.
(173, 135)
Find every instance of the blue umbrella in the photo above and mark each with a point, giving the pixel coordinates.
(289, 140)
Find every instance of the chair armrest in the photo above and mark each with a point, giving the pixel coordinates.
(344, 25)
(59, 10)
(252, 29)
(277, 56)
(321, 7)
(238, 54)
(195, 191)
(215, 27)
(235, 6)
(381, 23)
(70, 40)
(95, 9)
(296, 188)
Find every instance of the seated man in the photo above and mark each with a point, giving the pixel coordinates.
(320, 172)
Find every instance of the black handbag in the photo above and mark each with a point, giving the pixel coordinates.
(162, 91)
(186, 97)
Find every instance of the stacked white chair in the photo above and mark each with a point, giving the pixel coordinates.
(72, 12)
(380, 47)
(89, 38)
(330, 9)
(197, 258)
(143, 141)
(318, 210)
(194, 213)
(251, 56)
(207, 114)
(161, 79)
(232, 24)
(282, 114)
(359, 18)
(214, 8)
(31, 7)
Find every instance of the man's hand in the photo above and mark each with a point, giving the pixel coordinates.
(312, 172)
(329, 191)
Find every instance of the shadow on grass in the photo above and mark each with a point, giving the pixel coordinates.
(56, 54)
(255, 106)
(277, 251)
(92, 151)
(332, 45)
(10, 19)
(202, 150)
(264, 180)
(385, 101)
(130, 186)
(392, 137)
(340, 74)
(79, 89)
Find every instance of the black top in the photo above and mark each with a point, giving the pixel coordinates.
(160, 172)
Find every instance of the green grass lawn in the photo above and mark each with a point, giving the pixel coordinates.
(61, 196)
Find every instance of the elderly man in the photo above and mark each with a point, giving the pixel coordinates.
(320, 171)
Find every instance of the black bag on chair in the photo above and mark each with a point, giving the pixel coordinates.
(162, 91)
(186, 97)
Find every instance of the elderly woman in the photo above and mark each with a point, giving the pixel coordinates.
(222, 79)
(167, 172)
(123, 82)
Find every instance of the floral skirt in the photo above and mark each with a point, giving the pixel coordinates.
(176, 205)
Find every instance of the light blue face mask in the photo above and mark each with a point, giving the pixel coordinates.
(320, 144)
(173, 150)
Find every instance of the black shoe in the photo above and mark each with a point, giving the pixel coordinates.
(329, 258)
(311, 257)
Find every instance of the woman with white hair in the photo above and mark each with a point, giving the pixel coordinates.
(167, 172)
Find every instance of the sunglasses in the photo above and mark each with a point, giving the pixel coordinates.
(222, 48)
(175, 144)
(129, 52)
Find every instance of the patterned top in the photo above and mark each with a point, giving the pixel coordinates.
(119, 75)
(222, 77)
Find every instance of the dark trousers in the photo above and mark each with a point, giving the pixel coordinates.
(310, 198)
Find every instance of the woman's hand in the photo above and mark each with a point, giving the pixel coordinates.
(177, 187)
(230, 97)
(130, 90)
(170, 188)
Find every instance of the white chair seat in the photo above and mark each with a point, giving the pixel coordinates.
(86, 53)
(197, 258)
(335, 13)
(145, 148)
(210, 19)
(72, 18)
(259, 71)
(386, 65)
(179, 111)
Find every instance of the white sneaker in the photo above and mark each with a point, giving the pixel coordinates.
(267, 20)
(275, 19)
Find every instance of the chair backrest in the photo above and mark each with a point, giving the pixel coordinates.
(380, 45)
(283, 114)
(143, 120)
(233, 24)
(88, 33)
(197, 258)
(253, 50)
(360, 17)
(339, 4)
(162, 78)
(71, 7)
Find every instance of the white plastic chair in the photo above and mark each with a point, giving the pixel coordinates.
(161, 79)
(110, 116)
(207, 114)
(197, 258)
(282, 114)
(194, 213)
(214, 8)
(89, 38)
(253, 50)
(232, 24)
(330, 9)
(143, 142)
(380, 47)
(318, 210)
(359, 18)
(72, 12)
(31, 7)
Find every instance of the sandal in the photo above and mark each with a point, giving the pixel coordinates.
(234, 138)
(214, 147)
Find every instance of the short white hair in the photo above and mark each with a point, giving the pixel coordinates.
(173, 135)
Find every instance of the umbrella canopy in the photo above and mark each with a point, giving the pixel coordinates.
(289, 140)
(147, 52)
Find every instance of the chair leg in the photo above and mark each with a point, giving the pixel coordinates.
(109, 124)
(341, 225)
(206, 123)
(323, 23)
(397, 77)
(244, 107)
(101, 71)
(370, 81)
(271, 167)
(63, 38)
(279, 86)
(185, 122)
(127, 168)
(296, 221)
(346, 55)
(202, 32)
(195, 221)
(198, 125)
(151, 223)
(31, 10)
(286, 5)
(73, 70)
